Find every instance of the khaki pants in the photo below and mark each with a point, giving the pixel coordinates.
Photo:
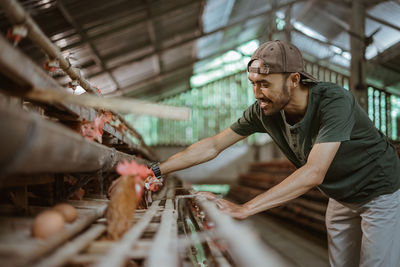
(366, 235)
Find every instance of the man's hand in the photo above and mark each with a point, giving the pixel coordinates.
(234, 210)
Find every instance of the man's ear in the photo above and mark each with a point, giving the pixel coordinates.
(294, 79)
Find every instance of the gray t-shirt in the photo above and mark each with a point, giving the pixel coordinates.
(366, 164)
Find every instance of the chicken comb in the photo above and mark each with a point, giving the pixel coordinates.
(133, 168)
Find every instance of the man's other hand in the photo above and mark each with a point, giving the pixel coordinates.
(234, 210)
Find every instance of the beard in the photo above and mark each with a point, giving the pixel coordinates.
(274, 107)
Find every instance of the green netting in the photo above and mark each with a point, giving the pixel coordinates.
(384, 111)
(217, 104)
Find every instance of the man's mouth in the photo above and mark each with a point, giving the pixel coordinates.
(264, 103)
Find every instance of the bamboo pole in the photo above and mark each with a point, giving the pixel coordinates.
(116, 104)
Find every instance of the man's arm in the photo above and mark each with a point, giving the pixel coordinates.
(298, 183)
(201, 151)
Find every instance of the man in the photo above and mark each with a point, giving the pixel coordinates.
(330, 139)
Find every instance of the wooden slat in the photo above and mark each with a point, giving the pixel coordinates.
(119, 253)
(164, 251)
(26, 250)
(63, 255)
(248, 250)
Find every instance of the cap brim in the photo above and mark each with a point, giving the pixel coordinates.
(308, 76)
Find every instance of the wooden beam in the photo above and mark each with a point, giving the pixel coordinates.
(358, 63)
(17, 15)
(63, 9)
(134, 89)
(27, 75)
(383, 22)
(29, 179)
(288, 24)
(196, 36)
(153, 38)
(111, 30)
(31, 144)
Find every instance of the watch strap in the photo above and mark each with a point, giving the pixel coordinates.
(155, 167)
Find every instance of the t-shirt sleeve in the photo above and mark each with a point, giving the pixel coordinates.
(336, 119)
(249, 123)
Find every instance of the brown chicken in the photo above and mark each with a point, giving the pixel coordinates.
(122, 206)
(93, 130)
(126, 194)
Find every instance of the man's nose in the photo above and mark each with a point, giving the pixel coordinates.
(257, 91)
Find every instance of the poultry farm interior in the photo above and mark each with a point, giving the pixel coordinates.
(62, 153)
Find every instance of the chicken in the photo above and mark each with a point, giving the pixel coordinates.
(123, 202)
(124, 197)
(93, 130)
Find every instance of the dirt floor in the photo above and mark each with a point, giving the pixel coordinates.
(298, 246)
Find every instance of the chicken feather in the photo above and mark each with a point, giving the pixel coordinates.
(122, 207)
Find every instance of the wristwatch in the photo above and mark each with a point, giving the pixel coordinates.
(155, 167)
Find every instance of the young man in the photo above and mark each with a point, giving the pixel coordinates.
(330, 139)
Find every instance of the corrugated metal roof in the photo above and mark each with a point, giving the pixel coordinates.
(147, 48)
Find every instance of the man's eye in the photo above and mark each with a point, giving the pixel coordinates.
(264, 85)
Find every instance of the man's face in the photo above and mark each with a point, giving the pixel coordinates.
(270, 90)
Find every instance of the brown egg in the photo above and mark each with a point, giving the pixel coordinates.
(47, 223)
(68, 212)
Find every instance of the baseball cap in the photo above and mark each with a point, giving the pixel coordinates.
(279, 57)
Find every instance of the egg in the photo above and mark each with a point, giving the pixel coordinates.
(47, 223)
(68, 212)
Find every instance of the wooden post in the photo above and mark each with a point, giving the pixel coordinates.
(357, 47)
(272, 22)
(288, 25)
